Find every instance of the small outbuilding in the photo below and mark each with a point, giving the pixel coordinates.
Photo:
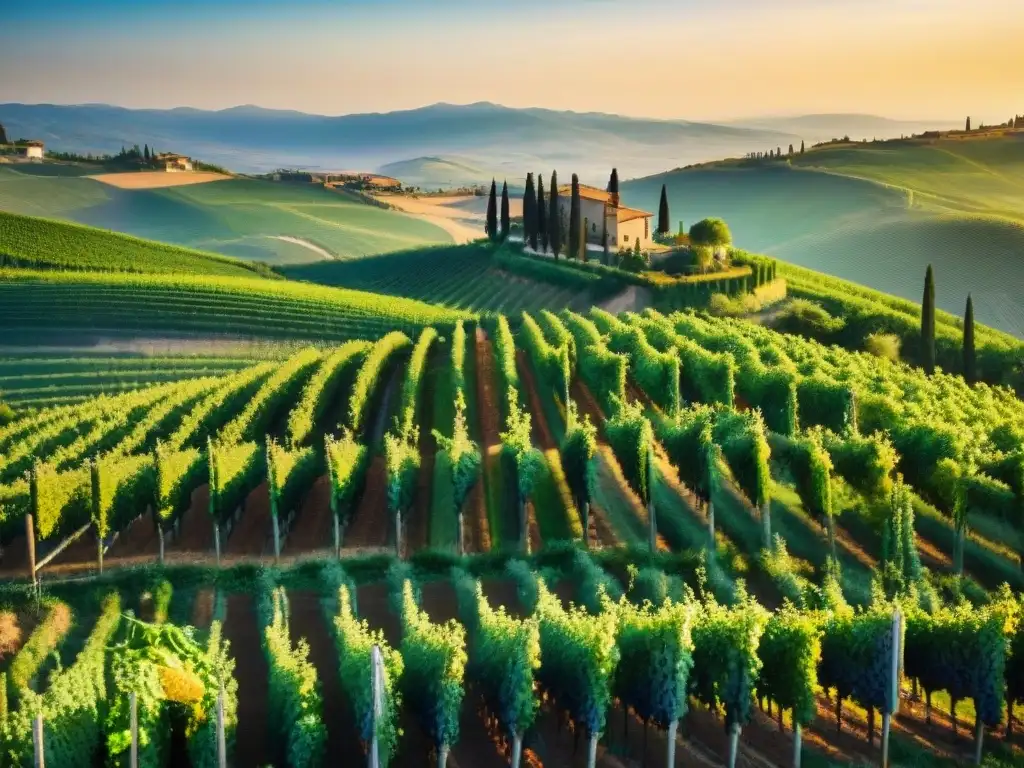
(32, 150)
(173, 163)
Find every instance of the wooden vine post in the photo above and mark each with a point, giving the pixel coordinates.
(133, 704)
(211, 457)
(273, 492)
(734, 744)
(222, 748)
(334, 505)
(892, 703)
(94, 480)
(38, 748)
(377, 687)
(766, 522)
(651, 513)
(30, 539)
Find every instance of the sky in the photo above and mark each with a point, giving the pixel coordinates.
(711, 60)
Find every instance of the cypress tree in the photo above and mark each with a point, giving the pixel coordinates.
(968, 128)
(663, 217)
(928, 323)
(613, 182)
(542, 214)
(145, 154)
(554, 217)
(3, 135)
(801, 146)
(574, 219)
(492, 212)
(790, 149)
(970, 358)
(530, 213)
(505, 221)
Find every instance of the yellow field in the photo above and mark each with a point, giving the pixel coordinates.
(157, 179)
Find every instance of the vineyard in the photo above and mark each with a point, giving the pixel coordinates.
(551, 538)
(27, 241)
(36, 306)
(470, 277)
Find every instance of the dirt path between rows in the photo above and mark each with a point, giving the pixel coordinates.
(418, 529)
(610, 477)
(313, 529)
(307, 620)
(253, 530)
(242, 630)
(490, 431)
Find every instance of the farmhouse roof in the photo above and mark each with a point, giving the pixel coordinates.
(170, 156)
(628, 214)
(587, 193)
(33, 143)
(622, 213)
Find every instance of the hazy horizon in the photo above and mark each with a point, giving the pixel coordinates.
(912, 60)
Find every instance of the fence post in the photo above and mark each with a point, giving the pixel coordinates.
(37, 742)
(134, 713)
(30, 539)
(277, 539)
(337, 536)
(216, 541)
(222, 749)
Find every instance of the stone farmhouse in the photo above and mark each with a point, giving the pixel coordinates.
(625, 226)
(173, 163)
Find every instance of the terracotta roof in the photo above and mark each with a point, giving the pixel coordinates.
(169, 156)
(628, 214)
(586, 193)
(33, 143)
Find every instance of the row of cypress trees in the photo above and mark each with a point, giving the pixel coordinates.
(970, 370)
(542, 223)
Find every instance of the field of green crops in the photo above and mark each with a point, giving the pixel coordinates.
(48, 308)
(239, 217)
(877, 215)
(766, 486)
(47, 244)
(461, 277)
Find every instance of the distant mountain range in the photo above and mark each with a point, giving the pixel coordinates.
(494, 139)
(489, 136)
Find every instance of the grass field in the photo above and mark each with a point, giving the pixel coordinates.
(877, 214)
(237, 217)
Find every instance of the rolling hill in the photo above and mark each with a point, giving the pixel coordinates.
(250, 139)
(877, 214)
(823, 127)
(30, 241)
(437, 172)
(278, 223)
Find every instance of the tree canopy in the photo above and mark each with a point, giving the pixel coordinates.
(710, 233)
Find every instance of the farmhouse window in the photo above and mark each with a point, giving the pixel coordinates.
(647, 233)
(625, 238)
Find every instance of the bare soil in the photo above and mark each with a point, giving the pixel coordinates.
(157, 179)
(307, 620)
(490, 426)
(370, 525)
(253, 529)
(196, 528)
(241, 629)
(313, 528)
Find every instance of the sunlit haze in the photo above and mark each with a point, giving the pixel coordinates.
(690, 59)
